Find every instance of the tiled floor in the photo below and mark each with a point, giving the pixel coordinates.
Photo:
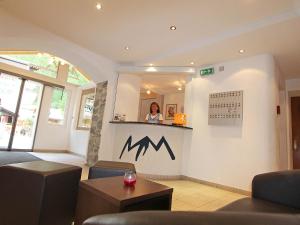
(187, 196)
(191, 196)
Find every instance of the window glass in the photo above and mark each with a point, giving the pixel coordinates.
(75, 77)
(43, 64)
(58, 106)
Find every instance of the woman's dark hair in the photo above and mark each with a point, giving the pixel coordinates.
(154, 103)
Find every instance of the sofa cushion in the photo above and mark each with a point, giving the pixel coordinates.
(256, 205)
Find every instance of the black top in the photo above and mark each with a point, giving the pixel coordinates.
(152, 124)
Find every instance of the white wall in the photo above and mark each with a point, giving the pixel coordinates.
(18, 34)
(54, 137)
(232, 155)
(128, 96)
(173, 98)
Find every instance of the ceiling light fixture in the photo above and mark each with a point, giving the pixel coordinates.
(150, 64)
(98, 6)
(151, 69)
(180, 89)
(148, 92)
(126, 48)
(173, 27)
(192, 63)
(241, 51)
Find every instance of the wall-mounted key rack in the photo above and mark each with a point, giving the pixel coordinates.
(225, 108)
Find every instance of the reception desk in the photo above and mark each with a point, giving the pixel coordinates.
(155, 149)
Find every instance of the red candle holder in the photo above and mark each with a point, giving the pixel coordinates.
(129, 178)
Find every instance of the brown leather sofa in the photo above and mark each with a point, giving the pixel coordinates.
(275, 201)
(194, 218)
(38, 193)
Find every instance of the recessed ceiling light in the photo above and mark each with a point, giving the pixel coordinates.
(173, 27)
(241, 51)
(192, 63)
(180, 89)
(148, 92)
(98, 6)
(150, 64)
(126, 48)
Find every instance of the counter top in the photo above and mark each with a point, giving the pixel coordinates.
(151, 124)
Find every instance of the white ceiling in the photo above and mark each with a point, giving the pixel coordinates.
(208, 31)
(163, 83)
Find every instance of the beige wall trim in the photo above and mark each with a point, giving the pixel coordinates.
(50, 151)
(58, 151)
(159, 177)
(220, 186)
(182, 177)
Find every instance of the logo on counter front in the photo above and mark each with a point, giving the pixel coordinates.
(143, 144)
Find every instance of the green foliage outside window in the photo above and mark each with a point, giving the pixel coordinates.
(47, 65)
(59, 99)
(58, 106)
(75, 77)
(41, 64)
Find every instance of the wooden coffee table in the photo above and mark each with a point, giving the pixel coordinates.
(110, 195)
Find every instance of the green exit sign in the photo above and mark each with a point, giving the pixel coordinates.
(207, 71)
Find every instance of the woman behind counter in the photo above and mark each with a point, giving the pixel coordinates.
(154, 116)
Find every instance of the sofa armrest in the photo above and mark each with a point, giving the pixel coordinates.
(193, 218)
(279, 187)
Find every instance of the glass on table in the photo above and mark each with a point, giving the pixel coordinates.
(129, 178)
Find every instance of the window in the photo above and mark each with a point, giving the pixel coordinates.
(43, 64)
(75, 77)
(58, 106)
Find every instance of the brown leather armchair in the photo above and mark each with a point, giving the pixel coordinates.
(38, 193)
(276, 192)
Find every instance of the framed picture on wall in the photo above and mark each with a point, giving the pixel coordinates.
(171, 110)
(86, 109)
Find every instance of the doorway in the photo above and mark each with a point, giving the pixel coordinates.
(20, 101)
(295, 113)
